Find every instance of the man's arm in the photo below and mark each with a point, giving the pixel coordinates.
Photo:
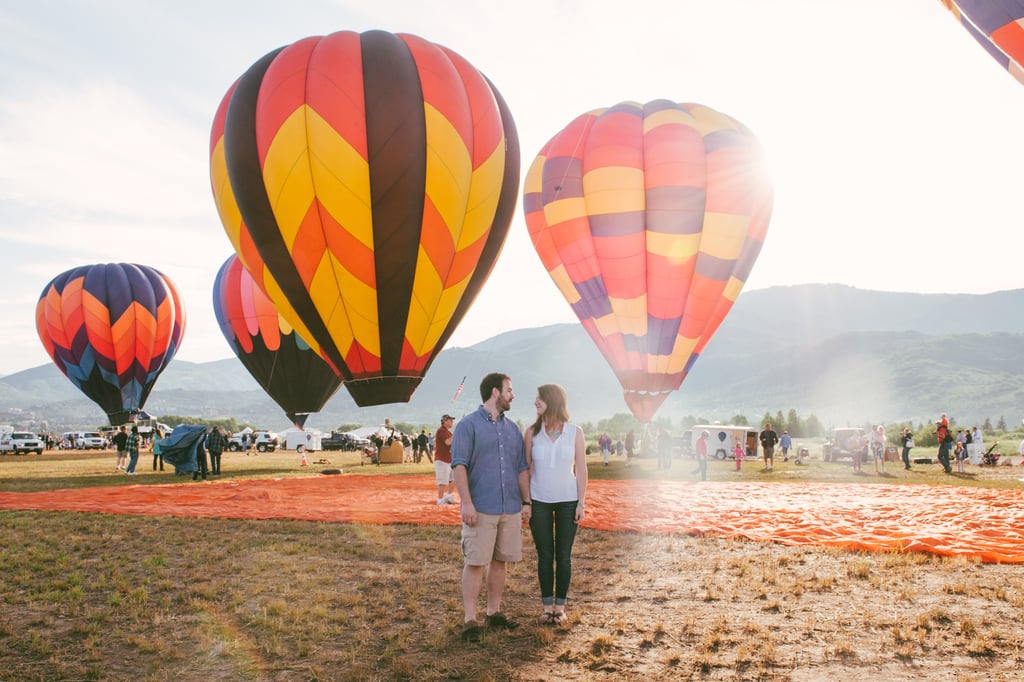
(461, 476)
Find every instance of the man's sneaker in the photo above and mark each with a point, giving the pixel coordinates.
(442, 500)
(471, 631)
(449, 498)
(499, 621)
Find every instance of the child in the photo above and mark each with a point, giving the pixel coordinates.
(737, 453)
(960, 452)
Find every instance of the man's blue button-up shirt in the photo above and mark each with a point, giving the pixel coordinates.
(493, 454)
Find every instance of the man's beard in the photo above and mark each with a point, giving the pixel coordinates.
(503, 405)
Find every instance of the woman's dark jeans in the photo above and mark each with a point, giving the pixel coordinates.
(553, 525)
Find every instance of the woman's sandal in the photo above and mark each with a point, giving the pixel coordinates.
(547, 618)
(559, 618)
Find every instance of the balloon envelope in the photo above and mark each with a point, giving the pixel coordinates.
(649, 217)
(998, 26)
(291, 372)
(367, 182)
(111, 329)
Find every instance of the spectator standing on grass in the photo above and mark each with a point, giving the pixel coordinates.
(878, 448)
(443, 461)
(557, 457)
(605, 443)
(121, 443)
(945, 438)
(423, 442)
(785, 442)
(216, 441)
(493, 479)
(663, 445)
(158, 456)
(630, 443)
(979, 443)
(737, 454)
(702, 455)
(201, 467)
(959, 454)
(768, 439)
(132, 446)
(906, 440)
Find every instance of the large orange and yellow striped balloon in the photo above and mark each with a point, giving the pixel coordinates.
(367, 182)
(649, 218)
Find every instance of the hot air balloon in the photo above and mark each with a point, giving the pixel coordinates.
(649, 217)
(367, 182)
(291, 372)
(111, 329)
(998, 25)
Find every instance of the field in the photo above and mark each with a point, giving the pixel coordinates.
(112, 597)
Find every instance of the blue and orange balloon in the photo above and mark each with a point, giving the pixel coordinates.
(367, 182)
(998, 26)
(649, 218)
(290, 372)
(111, 329)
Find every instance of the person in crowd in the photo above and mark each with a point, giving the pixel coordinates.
(201, 466)
(737, 454)
(785, 443)
(969, 445)
(907, 442)
(619, 447)
(423, 441)
(605, 443)
(443, 461)
(630, 444)
(768, 439)
(702, 454)
(121, 443)
(493, 480)
(556, 455)
(979, 444)
(663, 447)
(945, 438)
(878, 448)
(158, 456)
(959, 455)
(132, 446)
(216, 441)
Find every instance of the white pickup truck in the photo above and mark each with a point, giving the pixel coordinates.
(20, 442)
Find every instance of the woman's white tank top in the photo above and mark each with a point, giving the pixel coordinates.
(553, 478)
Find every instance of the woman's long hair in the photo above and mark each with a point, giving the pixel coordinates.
(554, 397)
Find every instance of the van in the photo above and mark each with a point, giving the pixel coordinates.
(723, 438)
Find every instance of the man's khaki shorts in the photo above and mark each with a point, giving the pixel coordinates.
(442, 472)
(495, 537)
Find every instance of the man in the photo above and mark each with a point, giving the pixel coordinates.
(443, 461)
(121, 443)
(423, 442)
(768, 439)
(493, 479)
(702, 455)
(201, 467)
(785, 443)
(215, 443)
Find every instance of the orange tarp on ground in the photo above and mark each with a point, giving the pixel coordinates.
(948, 520)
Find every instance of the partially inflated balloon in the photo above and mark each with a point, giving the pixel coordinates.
(649, 218)
(291, 372)
(111, 329)
(998, 25)
(367, 182)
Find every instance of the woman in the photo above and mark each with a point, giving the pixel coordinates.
(556, 453)
(907, 441)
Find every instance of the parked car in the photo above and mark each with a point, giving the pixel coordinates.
(344, 441)
(844, 442)
(263, 441)
(20, 442)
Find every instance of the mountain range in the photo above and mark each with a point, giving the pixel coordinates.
(843, 354)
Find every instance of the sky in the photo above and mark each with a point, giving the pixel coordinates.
(895, 142)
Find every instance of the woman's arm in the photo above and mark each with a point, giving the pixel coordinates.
(582, 475)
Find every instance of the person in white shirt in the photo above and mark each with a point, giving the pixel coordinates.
(556, 454)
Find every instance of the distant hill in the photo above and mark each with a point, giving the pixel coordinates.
(843, 354)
